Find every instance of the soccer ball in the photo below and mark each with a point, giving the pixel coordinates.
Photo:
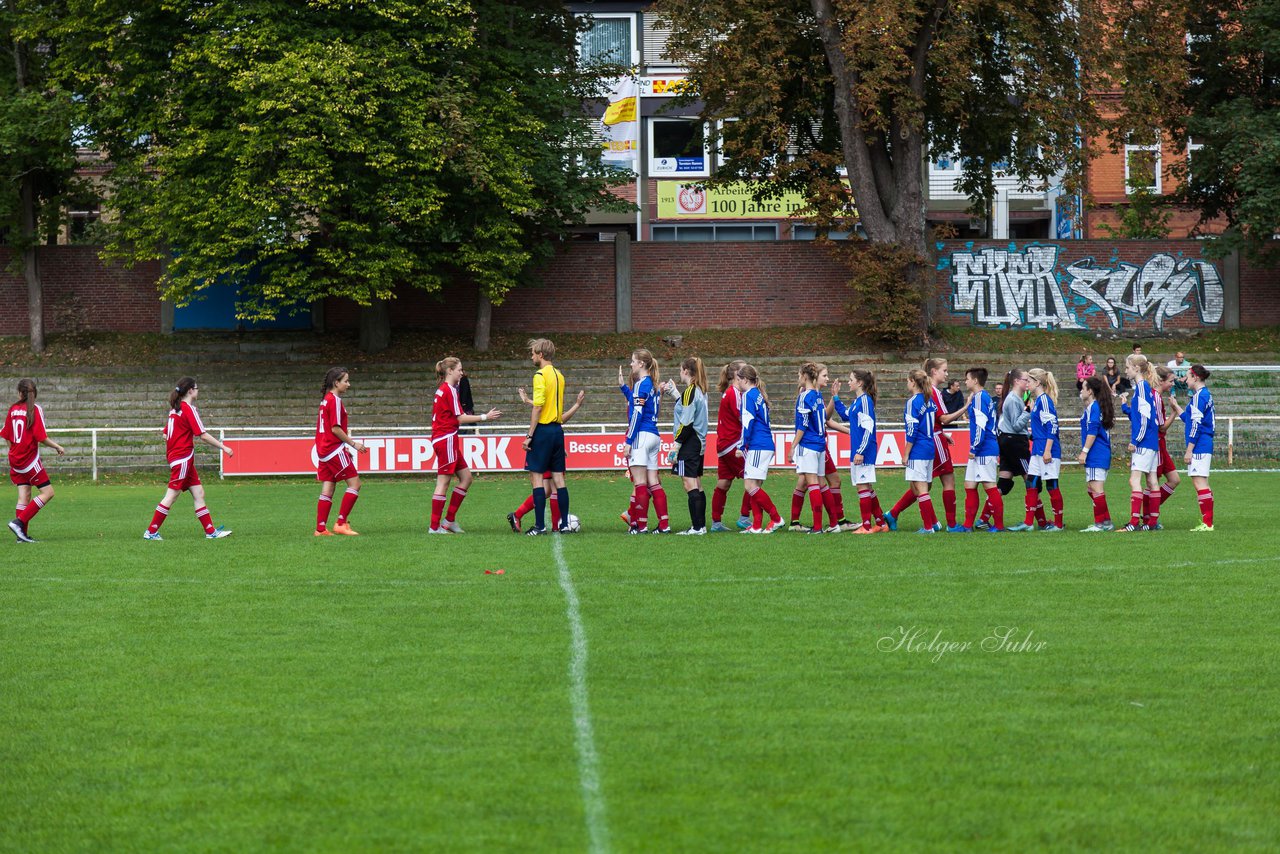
(573, 523)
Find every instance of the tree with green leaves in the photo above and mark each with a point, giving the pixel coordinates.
(1230, 120)
(822, 88)
(307, 150)
(37, 155)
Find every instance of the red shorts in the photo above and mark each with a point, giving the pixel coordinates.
(730, 466)
(183, 475)
(942, 455)
(34, 476)
(1166, 461)
(448, 453)
(341, 466)
(831, 465)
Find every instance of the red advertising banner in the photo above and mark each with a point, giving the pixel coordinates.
(504, 452)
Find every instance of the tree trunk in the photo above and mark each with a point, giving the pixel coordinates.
(375, 327)
(30, 263)
(484, 321)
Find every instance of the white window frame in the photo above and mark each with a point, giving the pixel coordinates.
(1192, 147)
(655, 171)
(1158, 187)
(631, 17)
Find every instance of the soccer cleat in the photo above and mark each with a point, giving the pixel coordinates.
(1021, 526)
(927, 531)
(565, 529)
(535, 532)
(882, 528)
(666, 530)
(1202, 528)
(845, 525)
(797, 527)
(20, 531)
(514, 523)
(959, 529)
(744, 522)
(437, 531)
(863, 529)
(1108, 526)
(718, 528)
(991, 530)
(1095, 528)
(891, 521)
(325, 532)
(217, 534)
(452, 527)
(751, 531)
(625, 516)
(345, 529)
(1156, 527)
(981, 525)
(1131, 529)
(1051, 529)
(836, 529)
(152, 535)
(692, 532)
(814, 531)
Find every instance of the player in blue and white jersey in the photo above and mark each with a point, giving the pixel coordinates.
(757, 450)
(1198, 417)
(1144, 443)
(643, 444)
(809, 447)
(984, 455)
(861, 418)
(918, 423)
(1095, 438)
(1046, 453)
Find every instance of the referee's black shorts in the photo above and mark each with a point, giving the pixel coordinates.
(1015, 453)
(546, 451)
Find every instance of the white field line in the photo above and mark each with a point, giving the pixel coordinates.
(584, 738)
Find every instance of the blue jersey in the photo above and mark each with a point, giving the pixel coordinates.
(811, 417)
(757, 435)
(1143, 430)
(1044, 428)
(983, 441)
(917, 421)
(644, 410)
(1199, 419)
(862, 427)
(1099, 456)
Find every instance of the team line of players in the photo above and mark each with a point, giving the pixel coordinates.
(1018, 436)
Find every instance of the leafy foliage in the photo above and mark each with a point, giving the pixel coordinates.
(885, 307)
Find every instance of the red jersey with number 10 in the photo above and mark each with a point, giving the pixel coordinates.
(332, 414)
(180, 431)
(24, 441)
(445, 412)
(729, 422)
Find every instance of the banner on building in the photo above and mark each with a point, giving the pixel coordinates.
(620, 125)
(496, 453)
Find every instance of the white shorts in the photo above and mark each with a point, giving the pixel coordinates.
(1199, 466)
(920, 471)
(810, 461)
(982, 470)
(1051, 470)
(645, 451)
(862, 474)
(1145, 460)
(756, 464)
(1092, 475)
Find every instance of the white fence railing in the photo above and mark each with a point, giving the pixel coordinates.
(1068, 427)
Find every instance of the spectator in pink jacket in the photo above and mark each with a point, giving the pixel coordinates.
(1084, 369)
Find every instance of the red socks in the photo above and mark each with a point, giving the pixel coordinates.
(816, 504)
(1055, 501)
(1166, 492)
(640, 507)
(904, 502)
(1136, 500)
(995, 507)
(203, 517)
(323, 505)
(866, 506)
(348, 501)
(761, 506)
(927, 515)
(158, 518)
(437, 510)
(1101, 513)
(949, 506)
(30, 510)
(718, 498)
(659, 496)
(1152, 501)
(1034, 507)
(1205, 497)
(455, 501)
(970, 506)
(797, 503)
(832, 501)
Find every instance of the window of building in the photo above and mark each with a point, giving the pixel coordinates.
(1192, 148)
(611, 40)
(655, 41)
(808, 232)
(678, 147)
(708, 231)
(1142, 163)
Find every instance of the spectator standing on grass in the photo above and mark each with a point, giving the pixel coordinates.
(1198, 417)
(447, 415)
(24, 430)
(1084, 369)
(181, 429)
(689, 429)
(1181, 369)
(544, 443)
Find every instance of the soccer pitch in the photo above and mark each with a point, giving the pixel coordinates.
(725, 693)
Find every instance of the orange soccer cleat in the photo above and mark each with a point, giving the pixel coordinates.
(863, 529)
(345, 529)
(325, 533)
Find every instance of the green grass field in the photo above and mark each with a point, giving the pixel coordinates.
(728, 693)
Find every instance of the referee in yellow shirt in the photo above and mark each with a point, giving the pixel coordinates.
(544, 445)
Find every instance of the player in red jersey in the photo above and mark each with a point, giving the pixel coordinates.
(729, 463)
(335, 462)
(1165, 378)
(24, 430)
(446, 415)
(553, 501)
(180, 431)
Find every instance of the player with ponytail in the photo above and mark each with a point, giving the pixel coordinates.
(24, 430)
(446, 416)
(1095, 455)
(336, 462)
(181, 430)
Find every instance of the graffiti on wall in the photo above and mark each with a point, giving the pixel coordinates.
(999, 287)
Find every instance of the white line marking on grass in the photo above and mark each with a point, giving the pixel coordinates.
(584, 739)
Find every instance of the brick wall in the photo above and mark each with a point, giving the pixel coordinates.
(77, 285)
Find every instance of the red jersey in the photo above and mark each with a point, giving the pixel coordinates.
(332, 414)
(939, 409)
(180, 432)
(24, 441)
(445, 412)
(729, 422)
